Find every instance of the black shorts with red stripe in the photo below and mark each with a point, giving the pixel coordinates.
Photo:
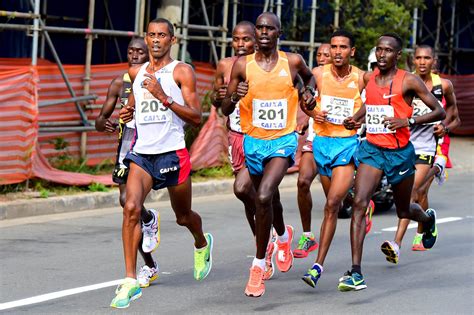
(166, 169)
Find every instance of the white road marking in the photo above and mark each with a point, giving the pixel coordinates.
(415, 225)
(57, 295)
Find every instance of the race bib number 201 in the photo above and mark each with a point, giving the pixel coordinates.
(270, 114)
(152, 111)
(374, 116)
(338, 108)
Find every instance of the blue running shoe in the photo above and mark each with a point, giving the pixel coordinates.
(351, 282)
(430, 233)
(313, 275)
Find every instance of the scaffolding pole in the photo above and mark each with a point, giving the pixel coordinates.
(337, 10)
(439, 4)
(278, 4)
(234, 13)
(184, 39)
(314, 4)
(34, 50)
(414, 27)
(224, 24)
(209, 32)
(451, 37)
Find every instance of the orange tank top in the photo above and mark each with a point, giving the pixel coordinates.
(386, 101)
(268, 111)
(340, 100)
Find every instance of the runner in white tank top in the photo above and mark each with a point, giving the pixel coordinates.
(164, 99)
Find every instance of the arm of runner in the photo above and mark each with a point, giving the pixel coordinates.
(219, 88)
(126, 113)
(190, 111)
(308, 80)
(452, 120)
(355, 121)
(103, 122)
(413, 85)
(237, 87)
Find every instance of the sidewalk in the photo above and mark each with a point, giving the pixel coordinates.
(462, 152)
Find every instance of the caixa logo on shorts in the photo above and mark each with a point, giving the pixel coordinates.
(168, 169)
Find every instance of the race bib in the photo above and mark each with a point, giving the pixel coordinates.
(270, 114)
(338, 108)
(234, 119)
(374, 116)
(420, 109)
(150, 111)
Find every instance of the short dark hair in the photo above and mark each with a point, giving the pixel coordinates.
(346, 34)
(163, 20)
(277, 19)
(397, 38)
(424, 46)
(137, 39)
(246, 23)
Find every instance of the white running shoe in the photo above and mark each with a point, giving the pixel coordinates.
(147, 275)
(151, 233)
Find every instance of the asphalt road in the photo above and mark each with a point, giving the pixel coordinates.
(54, 253)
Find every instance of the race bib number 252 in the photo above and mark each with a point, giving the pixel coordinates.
(374, 116)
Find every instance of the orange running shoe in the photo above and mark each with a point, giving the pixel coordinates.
(368, 216)
(256, 286)
(269, 270)
(284, 259)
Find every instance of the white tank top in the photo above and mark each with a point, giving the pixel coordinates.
(158, 129)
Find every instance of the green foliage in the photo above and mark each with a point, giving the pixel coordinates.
(368, 19)
(44, 193)
(218, 172)
(95, 187)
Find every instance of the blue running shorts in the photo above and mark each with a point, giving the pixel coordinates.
(330, 152)
(397, 164)
(258, 151)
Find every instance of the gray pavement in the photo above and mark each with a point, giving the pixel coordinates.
(462, 151)
(53, 253)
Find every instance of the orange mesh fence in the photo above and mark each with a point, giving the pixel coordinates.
(18, 123)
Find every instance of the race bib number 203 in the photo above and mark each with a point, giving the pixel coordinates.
(152, 111)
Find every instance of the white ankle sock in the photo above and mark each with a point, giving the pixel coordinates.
(259, 262)
(283, 238)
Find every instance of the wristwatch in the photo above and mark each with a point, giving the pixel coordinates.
(233, 98)
(167, 103)
(411, 122)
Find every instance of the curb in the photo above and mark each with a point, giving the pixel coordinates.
(96, 200)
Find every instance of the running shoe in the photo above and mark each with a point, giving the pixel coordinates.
(306, 244)
(418, 244)
(151, 233)
(441, 177)
(391, 251)
(128, 291)
(203, 259)
(368, 216)
(351, 282)
(256, 285)
(430, 231)
(313, 275)
(269, 270)
(284, 259)
(147, 275)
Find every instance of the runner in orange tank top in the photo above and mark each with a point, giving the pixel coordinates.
(387, 149)
(268, 104)
(339, 86)
(243, 43)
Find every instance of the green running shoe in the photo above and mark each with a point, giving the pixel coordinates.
(203, 259)
(128, 291)
(305, 246)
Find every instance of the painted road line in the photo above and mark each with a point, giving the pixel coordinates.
(57, 295)
(415, 225)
